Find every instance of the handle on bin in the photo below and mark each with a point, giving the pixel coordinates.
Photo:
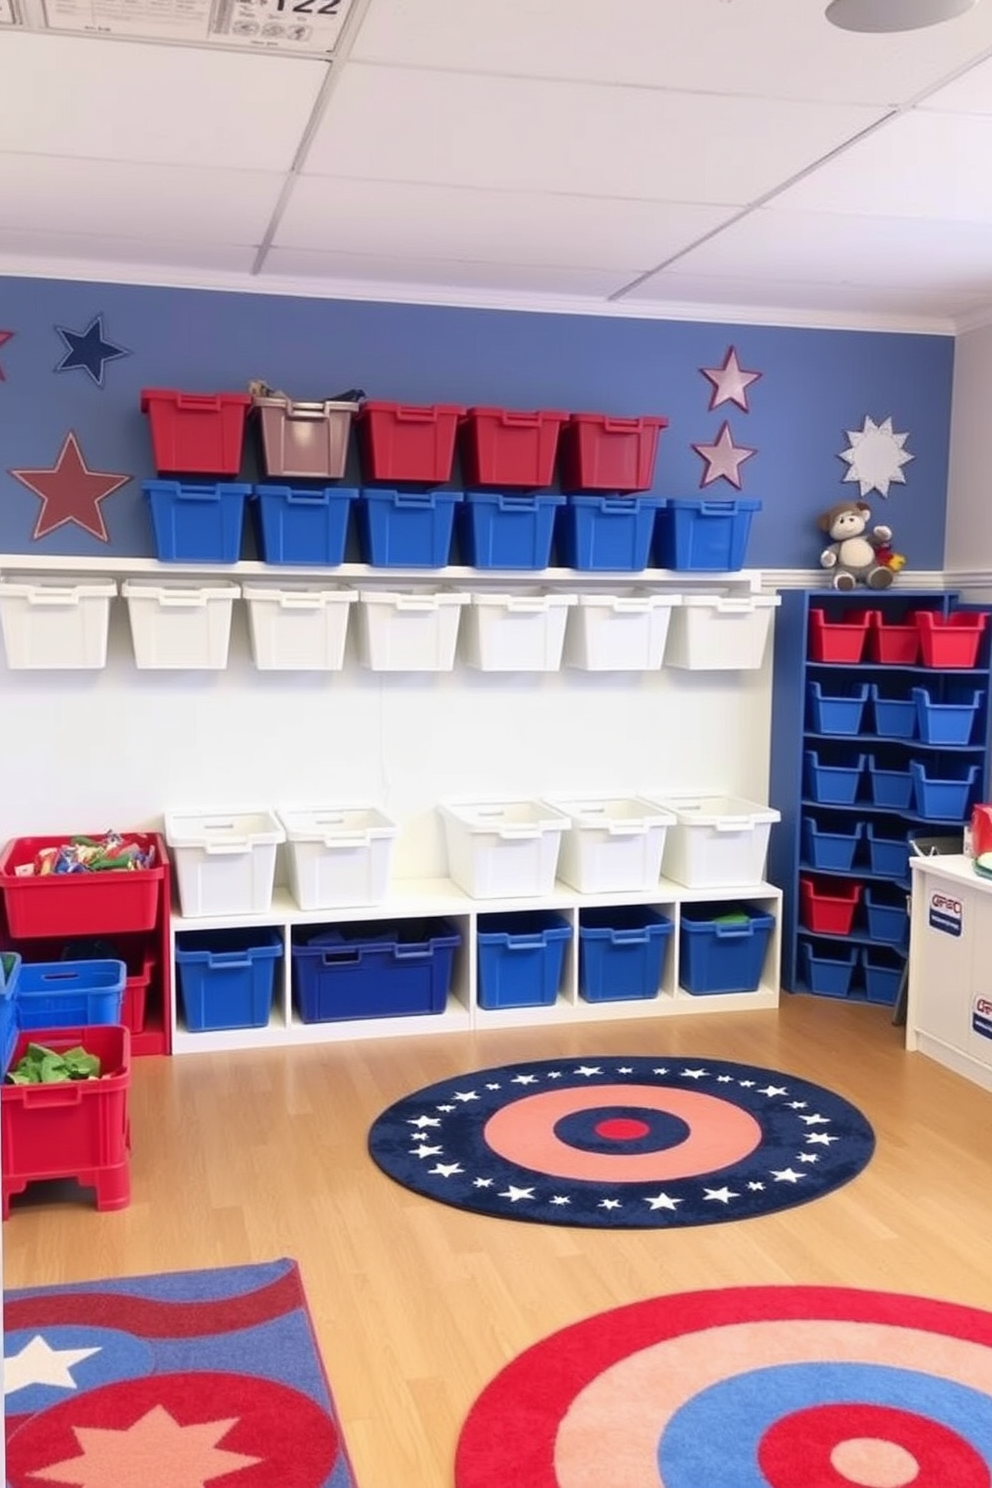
(64, 1093)
(341, 958)
(60, 976)
(732, 932)
(412, 952)
(415, 499)
(629, 937)
(511, 417)
(423, 602)
(198, 402)
(50, 595)
(344, 839)
(733, 824)
(309, 601)
(727, 605)
(716, 508)
(525, 942)
(412, 414)
(230, 962)
(183, 599)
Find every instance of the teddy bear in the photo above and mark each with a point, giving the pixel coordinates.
(855, 555)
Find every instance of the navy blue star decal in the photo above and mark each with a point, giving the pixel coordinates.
(89, 351)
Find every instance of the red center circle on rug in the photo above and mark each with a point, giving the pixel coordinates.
(867, 1446)
(621, 1128)
(720, 1134)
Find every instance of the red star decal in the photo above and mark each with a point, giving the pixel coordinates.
(5, 336)
(70, 492)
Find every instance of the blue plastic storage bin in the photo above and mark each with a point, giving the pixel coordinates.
(69, 994)
(374, 971)
(227, 977)
(888, 855)
(888, 787)
(10, 967)
(622, 953)
(949, 722)
(948, 798)
(196, 523)
(612, 533)
(303, 524)
(719, 951)
(520, 958)
(827, 969)
(407, 529)
(830, 850)
(507, 531)
(840, 714)
(882, 970)
(888, 914)
(894, 718)
(704, 536)
(832, 784)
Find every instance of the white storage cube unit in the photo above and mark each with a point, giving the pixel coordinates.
(718, 632)
(50, 624)
(503, 849)
(613, 844)
(515, 632)
(298, 627)
(717, 842)
(415, 632)
(338, 856)
(180, 627)
(225, 862)
(619, 632)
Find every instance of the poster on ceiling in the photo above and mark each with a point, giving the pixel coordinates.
(306, 28)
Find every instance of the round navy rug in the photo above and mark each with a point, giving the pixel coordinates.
(623, 1142)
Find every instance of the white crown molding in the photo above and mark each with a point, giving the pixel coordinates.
(163, 277)
(816, 578)
(975, 320)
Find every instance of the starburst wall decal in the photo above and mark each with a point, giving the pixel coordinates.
(875, 456)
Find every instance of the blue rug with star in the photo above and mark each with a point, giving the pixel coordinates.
(637, 1142)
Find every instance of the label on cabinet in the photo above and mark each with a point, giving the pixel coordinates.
(981, 1016)
(945, 913)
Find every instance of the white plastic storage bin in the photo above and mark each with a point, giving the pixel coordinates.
(613, 844)
(714, 632)
(338, 856)
(53, 624)
(515, 632)
(619, 632)
(178, 626)
(503, 849)
(415, 632)
(298, 627)
(717, 842)
(225, 862)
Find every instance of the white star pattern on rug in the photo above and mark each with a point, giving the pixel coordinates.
(40, 1364)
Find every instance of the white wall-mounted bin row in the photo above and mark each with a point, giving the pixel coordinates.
(186, 625)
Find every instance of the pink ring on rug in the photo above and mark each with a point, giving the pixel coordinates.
(720, 1134)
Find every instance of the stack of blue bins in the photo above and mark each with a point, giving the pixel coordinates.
(40, 995)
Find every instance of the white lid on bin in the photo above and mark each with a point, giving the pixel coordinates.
(300, 596)
(506, 818)
(724, 813)
(223, 831)
(617, 814)
(336, 826)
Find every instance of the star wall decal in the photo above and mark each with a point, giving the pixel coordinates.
(89, 351)
(730, 382)
(71, 492)
(5, 336)
(724, 458)
(875, 456)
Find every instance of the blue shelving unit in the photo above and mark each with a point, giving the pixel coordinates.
(887, 742)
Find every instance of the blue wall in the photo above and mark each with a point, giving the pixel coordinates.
(815, 385)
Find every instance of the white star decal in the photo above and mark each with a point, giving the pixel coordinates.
(608, 1204)
(423, 1121)
(786, 1175)
(798, 1105)
(662, 1201)
(815, 1120)
(693, 1074)
(524, 1080)
(746, 1084)
(446, 1109)
(560, 1199)
(482, 1183)
(659, 1072)
(823, 1138)
(723, 459)
(756, 1187)
(588, 1069)
(772, 1090)
(554, 1074)
(875, 456)
(493, 1085)
(423, 1151)
(513, 1194)
(625, 1069)
(807, 1157)
(724, 1079)
(730, 382)
(724, 1195)
(445, 1170)
(40, 1364)
(466, 1095)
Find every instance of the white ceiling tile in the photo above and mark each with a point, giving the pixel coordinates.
(672, 287)
(450, 222)
(968, 94)
(55, 247)
(172, 105)
(398, 270)
(510, 133)
(140, 202)
(774, 48)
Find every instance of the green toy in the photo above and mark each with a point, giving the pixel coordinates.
(41, 1066)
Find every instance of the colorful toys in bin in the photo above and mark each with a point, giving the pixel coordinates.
(41, 1066)
(111, 853)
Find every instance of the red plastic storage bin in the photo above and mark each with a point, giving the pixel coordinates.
(838, 640)
(895, 645)
(950, 640)
(400, 442)
(197, 433)
(74, 1130)
(827, 906)
(599, 453)
(501, 447)
(140, 971)
(63, 904)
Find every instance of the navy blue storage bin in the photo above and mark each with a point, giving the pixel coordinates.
(827, 969)
(946, 722)
(882, 970)
(69, 994)
(607, 532)
(373, 970)
(722, 948)
(888, 855)
(622, 953)
(947, 797)
(303, 524)
(840, 714)
(889, 787)
(507, 531)
(10, 968)
(520, 958)
(227, 977)
(407, 529)
(196, 523)
(833, 784)
(888, 914)
(704, 536)
(830, 850)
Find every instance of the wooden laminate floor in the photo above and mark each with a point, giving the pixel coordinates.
(251, 1156)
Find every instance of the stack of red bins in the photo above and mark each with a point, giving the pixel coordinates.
(607, 464)
(406, 509)
(79, 1131)
(197, 510)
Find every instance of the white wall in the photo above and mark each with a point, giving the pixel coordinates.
(968, 541)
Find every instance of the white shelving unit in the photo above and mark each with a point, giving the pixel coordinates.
(417, 898)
